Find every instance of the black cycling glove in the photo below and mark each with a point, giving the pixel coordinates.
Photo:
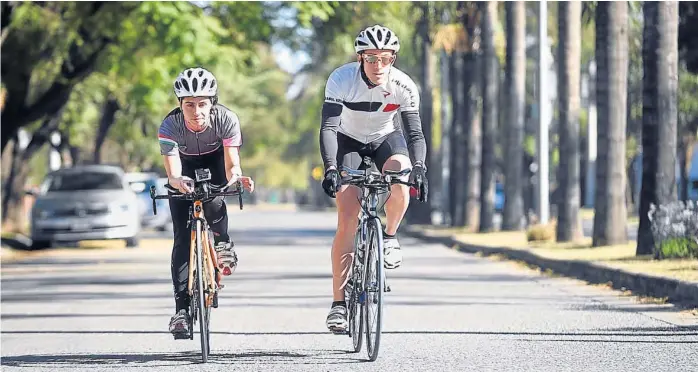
(331, 182)
(419, 175)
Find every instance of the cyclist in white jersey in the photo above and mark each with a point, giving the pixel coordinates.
(359, 119)
(200, 133)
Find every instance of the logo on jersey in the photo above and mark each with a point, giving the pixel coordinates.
(391, 107)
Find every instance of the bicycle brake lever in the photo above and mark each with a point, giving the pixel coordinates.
(241, 190)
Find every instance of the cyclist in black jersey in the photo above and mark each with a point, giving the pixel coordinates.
(200, 133)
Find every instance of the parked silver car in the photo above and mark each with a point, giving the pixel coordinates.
(92, 202)
(140, 183)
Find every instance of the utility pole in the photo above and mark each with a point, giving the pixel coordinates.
(543, 115)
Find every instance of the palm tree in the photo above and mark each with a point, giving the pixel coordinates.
(659, 112)
(516, 95)
(490, 83)
(420, 213)
(611, 92)
(569, 226)
(472, 125)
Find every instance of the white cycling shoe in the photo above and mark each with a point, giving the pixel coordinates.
(392, 255)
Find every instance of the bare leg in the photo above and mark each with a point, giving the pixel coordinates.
(343, 246)
(396, 205)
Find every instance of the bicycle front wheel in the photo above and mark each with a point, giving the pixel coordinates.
(373, 286)
(356, 296)
(203, 309)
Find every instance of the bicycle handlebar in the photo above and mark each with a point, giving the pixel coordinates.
(202, 191)
(374, 179)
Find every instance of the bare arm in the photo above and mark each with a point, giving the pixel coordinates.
(173, 167)
(233, 169)
(232, 162)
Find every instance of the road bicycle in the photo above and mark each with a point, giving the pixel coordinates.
(204, 278)
(367, 282)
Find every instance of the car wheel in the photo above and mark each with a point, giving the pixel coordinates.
(132, 242)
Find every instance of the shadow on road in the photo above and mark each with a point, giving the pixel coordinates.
(104, 360)
(178, 359)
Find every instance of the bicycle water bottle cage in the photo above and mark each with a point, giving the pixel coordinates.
(202, 174)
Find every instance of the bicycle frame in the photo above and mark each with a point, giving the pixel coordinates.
(363, 287)
(209, 257)
(203, 279)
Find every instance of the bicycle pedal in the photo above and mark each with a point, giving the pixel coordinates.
(339, 332)
(181, 336)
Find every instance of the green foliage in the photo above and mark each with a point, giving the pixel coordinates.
(688, 100)
(682, 247)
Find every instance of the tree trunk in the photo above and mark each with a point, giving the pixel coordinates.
(13, 209)
(610, 217)
(109, 110)
(490, 83)
(14, 168)
(442, 158)
(421, 212)
(683, 163)
(660, 85)
(458, 142)
(569, 224)
(516, 96)
(473, 132)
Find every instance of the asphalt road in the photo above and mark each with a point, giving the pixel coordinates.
(449, 311)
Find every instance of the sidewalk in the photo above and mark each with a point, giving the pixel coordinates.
(675, 281)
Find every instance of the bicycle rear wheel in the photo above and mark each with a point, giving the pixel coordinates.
(373, 286)
(201, 294)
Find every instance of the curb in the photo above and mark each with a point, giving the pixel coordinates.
(676, 291)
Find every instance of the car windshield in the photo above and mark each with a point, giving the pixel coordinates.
(85, 181)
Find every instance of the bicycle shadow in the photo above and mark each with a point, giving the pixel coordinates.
(119, 361)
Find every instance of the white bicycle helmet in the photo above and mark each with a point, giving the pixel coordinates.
(195, 82)
(376, 37)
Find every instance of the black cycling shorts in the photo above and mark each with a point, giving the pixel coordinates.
(351, 152)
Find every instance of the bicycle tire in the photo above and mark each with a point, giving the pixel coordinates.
(193, 308)
(373, 286)
(203, 313)
(355, 308)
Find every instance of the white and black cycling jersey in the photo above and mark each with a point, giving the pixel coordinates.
(369, 112)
